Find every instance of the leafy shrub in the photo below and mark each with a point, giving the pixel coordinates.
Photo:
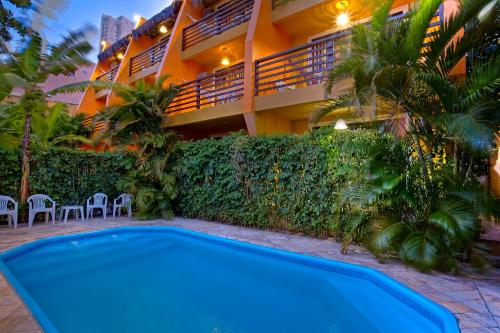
(285, 182)
(68, 176)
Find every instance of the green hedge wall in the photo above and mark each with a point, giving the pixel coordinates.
(285, 182)
(68, 176)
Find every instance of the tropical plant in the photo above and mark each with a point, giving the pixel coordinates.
(31, 66)
(55, 127)
(137, 122)
(427, 208)
(9, 21)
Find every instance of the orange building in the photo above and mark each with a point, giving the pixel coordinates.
(252, 65)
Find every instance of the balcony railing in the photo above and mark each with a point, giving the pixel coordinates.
(302, 66)
(109, 76)
(224, 86)
(229, 16)
(95, 125)
(311, 63)
(149, 57)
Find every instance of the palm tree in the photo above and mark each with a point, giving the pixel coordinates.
(424, 209)
(138, 122)
(30, 67)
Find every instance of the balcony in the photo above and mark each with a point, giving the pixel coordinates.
(147, 62)
(231, 15)
(96, 126)
(303, 66)
(218, 95)
(109, 77)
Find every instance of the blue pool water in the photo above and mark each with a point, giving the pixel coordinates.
(169, 280)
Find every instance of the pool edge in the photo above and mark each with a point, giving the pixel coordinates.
(397, 289)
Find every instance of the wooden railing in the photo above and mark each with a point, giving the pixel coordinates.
(229, 16)
(149, 57)
(95, 125)
(224, 86)
(109, 76)
(302, 66)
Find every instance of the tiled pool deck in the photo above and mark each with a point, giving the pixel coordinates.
(475, 300)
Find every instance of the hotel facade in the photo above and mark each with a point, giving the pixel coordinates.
(257, 66)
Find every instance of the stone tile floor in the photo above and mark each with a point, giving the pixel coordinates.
(475, 300)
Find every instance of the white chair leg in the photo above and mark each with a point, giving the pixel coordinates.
(53, 216)
(104, 213)
(30, 219)
(14, 217)
(119, 211)
(66, 213)
(46, 217)
(114, 209)
(9, 219)
(61, 213)
(129, 212)
(81, 215)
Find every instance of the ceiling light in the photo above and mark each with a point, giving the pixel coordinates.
(104, 44)
(343, 19)
(341, 125)
(120, 56)
(137, 19)
(225, 61)
(163, 29)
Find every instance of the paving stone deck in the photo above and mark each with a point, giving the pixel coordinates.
(474, 299)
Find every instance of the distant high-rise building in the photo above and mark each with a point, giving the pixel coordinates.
(112, 29)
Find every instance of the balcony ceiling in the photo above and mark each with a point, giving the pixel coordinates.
(321, 17)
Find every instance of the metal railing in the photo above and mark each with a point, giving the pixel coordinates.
(109, 76)
(229, 16)
(302, 66)
(221, 87)
(149, 57)
(310, 64)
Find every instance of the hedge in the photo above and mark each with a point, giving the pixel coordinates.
(285, 182)
(67, 176)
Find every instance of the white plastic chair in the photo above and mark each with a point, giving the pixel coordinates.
(123, 201)
(10, 212)
(37, 204)
(100, 201)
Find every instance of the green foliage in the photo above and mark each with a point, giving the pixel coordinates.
(68, 176)
(8, 21)
(284, 182)
(138, 123)
(152, 182)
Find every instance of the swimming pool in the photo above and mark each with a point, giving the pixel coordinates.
(165, 279)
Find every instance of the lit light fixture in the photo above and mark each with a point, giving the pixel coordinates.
(343, 16)
(342, 19)
(341, 125)
(104, 44)
(225, 61)
(163, 29)
(120, 56)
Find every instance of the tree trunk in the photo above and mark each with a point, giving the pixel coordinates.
(26, 158)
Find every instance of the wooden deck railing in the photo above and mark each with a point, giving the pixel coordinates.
(302, 66)
(149, 57)
(96, 126)
(231, 15)
(224, 86)
(109, 76)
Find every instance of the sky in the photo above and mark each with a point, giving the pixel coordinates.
(81, 12)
